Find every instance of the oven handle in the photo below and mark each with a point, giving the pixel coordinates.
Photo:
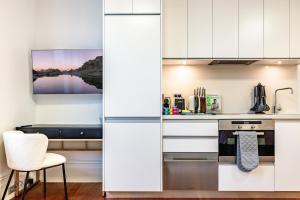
(257, 133)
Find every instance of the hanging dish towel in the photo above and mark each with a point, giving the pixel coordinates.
(247, 151)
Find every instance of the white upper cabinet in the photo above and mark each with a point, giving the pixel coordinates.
(200, 28)
(276, 29)
(287, 159)
(146, 6)
(251, 28)
(175, 28)
(225, 28)
(132, 6)
(117, 6)
(295, 28)
(132, 66)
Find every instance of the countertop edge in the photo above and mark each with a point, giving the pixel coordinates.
(233, 116)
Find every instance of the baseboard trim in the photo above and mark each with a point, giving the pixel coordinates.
(204, 194)
(81, 162)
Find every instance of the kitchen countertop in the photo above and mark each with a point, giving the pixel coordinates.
(230, 116)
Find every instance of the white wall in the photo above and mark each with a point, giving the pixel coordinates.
(234, 83)
(70, 24)
(16, 103)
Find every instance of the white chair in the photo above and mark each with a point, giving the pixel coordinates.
(27, 153)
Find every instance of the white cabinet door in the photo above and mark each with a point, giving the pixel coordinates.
(287, 159)
(146, 6)
(233, 179)
(132, 66)
(295, 28)
(225, 28)
(276, 29)
(132, 157)
(174, 28)
(251, 28)
(118, 6)
(200, 28)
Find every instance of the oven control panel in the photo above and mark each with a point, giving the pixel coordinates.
(246, 125)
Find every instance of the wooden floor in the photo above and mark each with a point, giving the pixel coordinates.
(77, 191)
(55, 191)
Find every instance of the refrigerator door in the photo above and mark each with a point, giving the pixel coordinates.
(132, 66)
(132, 155)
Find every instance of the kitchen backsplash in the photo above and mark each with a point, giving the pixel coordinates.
(235, 84)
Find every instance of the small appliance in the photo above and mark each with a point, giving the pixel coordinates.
(179, 102)
(260, 102)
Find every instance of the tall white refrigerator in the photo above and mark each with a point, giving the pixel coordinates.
(132, 103)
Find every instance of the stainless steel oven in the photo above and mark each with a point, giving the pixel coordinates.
(228, 130)
(190, 171)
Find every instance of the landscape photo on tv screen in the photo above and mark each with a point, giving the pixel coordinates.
(67, 71)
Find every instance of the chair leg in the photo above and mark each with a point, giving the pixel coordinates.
(25, 185)
(65, 182)
(7, 185)
(45, 181)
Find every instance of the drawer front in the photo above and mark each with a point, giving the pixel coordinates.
(51, 133)
(190, 144)
(78, 133)
(190, 128)
(232, 179)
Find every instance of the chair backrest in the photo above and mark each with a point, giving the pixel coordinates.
(25, 152)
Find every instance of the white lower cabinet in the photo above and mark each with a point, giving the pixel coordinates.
(190, 128)
(132, 154)
(190, 144)
(232, 179)
(287, 158)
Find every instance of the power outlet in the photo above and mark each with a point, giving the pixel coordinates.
(11, 189)
(29, 183)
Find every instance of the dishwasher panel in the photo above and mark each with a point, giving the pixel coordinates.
(191, 171)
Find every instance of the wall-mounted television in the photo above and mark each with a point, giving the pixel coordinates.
(67, 71)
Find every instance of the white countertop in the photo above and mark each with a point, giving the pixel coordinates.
(231, 116)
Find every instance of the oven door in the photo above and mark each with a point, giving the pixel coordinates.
(191, 171)
(228, 146)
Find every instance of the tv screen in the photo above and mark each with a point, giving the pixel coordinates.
(67, 71)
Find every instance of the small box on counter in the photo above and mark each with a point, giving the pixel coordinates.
(213, 104)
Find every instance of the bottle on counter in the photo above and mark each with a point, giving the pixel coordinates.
(203, 101)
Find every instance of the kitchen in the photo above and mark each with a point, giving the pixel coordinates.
(229, 71)
(150, 99)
